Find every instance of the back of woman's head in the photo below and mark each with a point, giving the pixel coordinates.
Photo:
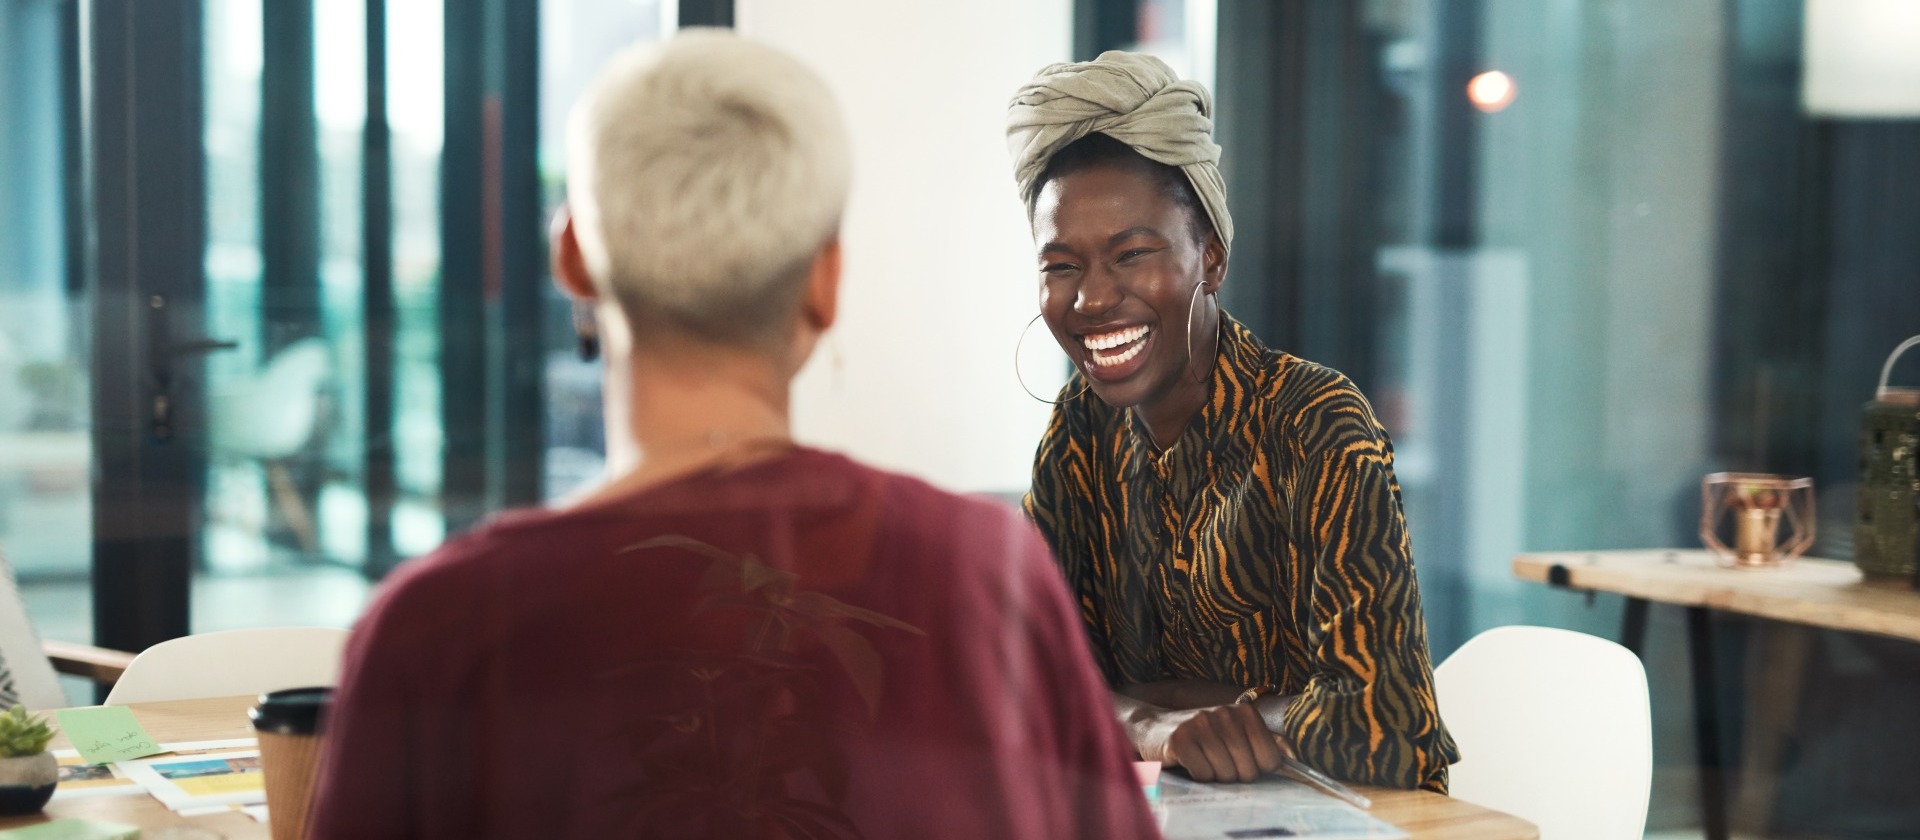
(704, 175)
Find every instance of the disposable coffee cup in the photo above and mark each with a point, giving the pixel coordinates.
(288, 726)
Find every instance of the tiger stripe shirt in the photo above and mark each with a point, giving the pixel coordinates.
(1265, 547)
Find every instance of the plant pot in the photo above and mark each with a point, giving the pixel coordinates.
(26, 783)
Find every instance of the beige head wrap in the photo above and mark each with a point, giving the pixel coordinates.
(1133, 98)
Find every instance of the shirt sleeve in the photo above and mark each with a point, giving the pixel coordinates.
(363, 787)
(1057, 503)
(392, 702)
(1368, 712)
(1093, 752)
(1046, 502)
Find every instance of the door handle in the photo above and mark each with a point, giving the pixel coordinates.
(165, 351)
(201, 347)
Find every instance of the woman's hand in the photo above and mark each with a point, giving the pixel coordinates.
(1216, 744)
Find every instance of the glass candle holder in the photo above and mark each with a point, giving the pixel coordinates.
(1767, 518)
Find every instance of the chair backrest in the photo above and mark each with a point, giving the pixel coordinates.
(232, 662)
(1553, 726)
(271, 414)
(26, 674)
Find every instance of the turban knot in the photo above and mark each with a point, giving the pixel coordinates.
(1133, 98)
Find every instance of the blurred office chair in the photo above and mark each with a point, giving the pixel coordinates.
(29, 667)
(270, 417)
(232, 662)
(1553, 726)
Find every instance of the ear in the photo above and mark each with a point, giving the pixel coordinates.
(569, 266)
(821, 305)
(1213, 264)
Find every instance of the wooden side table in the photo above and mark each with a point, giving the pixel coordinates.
(1811, 592)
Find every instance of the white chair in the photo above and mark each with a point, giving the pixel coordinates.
(232, 662)
(1553, 726)
(270, 417)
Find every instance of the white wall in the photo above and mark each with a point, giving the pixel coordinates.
(940, 276)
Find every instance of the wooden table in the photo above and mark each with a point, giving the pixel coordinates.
(1811, 592)
(1427, 816)
(184, 720)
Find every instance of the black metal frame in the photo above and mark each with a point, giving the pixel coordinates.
(377, 299)
(706, 13)
(523, 255)
(146, 206)
(464, 179)
(1101, 25)
(73, 155)
(492, 278)
(289, 176)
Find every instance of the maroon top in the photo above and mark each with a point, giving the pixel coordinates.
(803, 647)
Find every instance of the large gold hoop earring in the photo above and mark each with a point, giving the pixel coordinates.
(1197, 287)
(1023, 380)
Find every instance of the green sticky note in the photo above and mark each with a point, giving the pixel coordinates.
(106, 733)
(73, 830)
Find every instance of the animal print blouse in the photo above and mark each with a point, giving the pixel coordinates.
(1265, 547)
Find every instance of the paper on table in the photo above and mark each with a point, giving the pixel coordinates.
(106, 733)
(1269, 807)
(79, 779)
(73, 830)
(201, 781)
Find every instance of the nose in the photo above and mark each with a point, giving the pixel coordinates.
(1098, 294)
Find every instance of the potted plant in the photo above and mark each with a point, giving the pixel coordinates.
(27, 771)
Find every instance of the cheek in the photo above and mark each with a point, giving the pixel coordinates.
(1055, 300)
(1055, 304)
(1172, 293)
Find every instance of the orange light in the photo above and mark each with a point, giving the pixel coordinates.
(1491, 91)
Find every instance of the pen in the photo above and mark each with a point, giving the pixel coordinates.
(1298, 769)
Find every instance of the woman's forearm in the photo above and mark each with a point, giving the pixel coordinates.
(1143, 707)
(1143, 723)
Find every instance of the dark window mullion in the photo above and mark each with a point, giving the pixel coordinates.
(146, 213)
(377, 298)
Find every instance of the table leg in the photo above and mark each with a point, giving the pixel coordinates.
(1774, 683)
(1706, 724)
(1633, 626)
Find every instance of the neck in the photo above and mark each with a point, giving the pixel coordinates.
(1167, 415)
(675, 409)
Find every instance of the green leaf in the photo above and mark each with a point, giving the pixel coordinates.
(22, 734)
(858, 658)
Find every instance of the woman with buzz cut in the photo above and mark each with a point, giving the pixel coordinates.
(734, 636)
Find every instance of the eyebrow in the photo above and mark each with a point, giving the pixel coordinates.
(1136, 230)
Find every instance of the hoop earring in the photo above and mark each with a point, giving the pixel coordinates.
(1023, 380)
(1202, 379)
(586, 332)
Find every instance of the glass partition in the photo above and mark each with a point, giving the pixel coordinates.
(46, 460)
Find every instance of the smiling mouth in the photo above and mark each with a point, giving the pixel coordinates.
(1113, 349)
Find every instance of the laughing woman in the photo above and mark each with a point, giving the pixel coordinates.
(1226, 514)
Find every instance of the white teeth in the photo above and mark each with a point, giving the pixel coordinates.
(1116, 338)
(1121, 358)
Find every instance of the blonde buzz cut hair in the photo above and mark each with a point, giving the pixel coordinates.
(705, 173)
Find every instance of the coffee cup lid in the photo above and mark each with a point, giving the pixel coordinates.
(292, 711)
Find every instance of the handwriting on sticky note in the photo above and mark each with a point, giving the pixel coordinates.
(106, 733)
